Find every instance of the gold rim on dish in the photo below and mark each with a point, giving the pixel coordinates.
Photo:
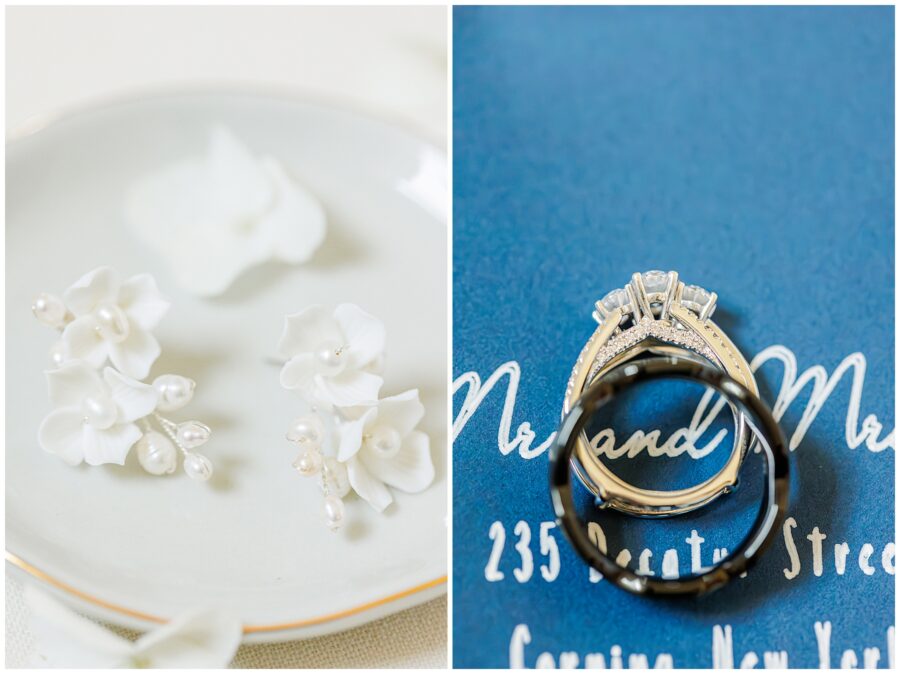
(248, 629)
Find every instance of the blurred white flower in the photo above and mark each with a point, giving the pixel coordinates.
(113, 320)
(94, 417)
(332, 356)
(213, 217)
(198, 639)
(382, 448)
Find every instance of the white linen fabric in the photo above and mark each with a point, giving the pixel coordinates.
(415, 638)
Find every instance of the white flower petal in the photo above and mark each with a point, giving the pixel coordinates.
(244, 189)
(84, 343)
(161, 205)
(356, 411)
(110, 445)
(204, 639)
(72, 382)
(140, 299)
(364, 333)
(67, 640)
(203, 214)
(375, 366)
(95, 287)
(367, 486)
(216, 215)
(134, 399)
(298, 373)
(136, 355)
(296, 223)
(305, 331)
(60, 433)
(177, 212)
(351, 433)
(403, 411)
(227, 253)
(349, 388)
(411, 470)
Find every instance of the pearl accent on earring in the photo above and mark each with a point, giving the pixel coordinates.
(49, 310)
(330, 358)
(308, 430)
(59, 354)
(309, 463)
(174, 391)
(333, 509)
(384, 441)
(112, 323)
(190, 434)
(156, 453)
(99, 411)
(197, 467)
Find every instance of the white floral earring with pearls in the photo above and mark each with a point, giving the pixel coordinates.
(349, 438)
(101, 412)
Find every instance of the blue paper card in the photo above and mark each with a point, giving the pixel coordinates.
(751, 150)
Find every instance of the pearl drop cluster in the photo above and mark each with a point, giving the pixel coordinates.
(157, 450)
(308, 432)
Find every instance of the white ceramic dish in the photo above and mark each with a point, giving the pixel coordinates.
(134, 549)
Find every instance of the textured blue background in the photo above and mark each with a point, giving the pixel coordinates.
(752, 150)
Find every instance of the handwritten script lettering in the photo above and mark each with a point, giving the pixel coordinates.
(685, 440)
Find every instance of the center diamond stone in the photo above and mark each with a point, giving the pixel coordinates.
(654, 281)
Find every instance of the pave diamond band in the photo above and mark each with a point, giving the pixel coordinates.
(658, 329)
(655, 311)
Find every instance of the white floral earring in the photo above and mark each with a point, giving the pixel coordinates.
(348, 437)
(103, 411)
